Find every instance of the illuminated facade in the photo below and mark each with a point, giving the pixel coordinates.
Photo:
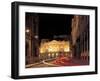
(54, 48)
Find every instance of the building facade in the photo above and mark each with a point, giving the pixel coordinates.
(80, 37)
(31, 38)
(54, 48)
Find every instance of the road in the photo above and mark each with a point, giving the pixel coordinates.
(49, 63)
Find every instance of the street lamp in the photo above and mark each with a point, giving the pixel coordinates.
(27, 30)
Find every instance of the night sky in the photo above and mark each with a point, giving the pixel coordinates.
(54, 24)
(51, 25)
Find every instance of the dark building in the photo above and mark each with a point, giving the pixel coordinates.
(80, 37)
(31, 35)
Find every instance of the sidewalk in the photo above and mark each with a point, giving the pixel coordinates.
(80, 62)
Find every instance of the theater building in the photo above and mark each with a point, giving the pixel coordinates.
(54, 48)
